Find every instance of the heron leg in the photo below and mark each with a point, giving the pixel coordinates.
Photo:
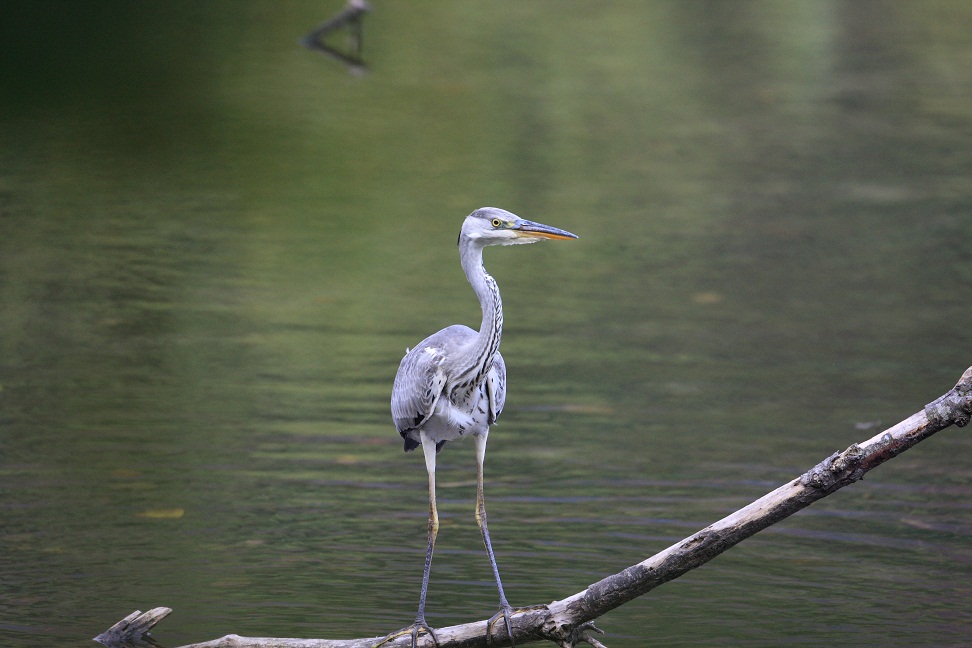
(505, 608)
(428, 447)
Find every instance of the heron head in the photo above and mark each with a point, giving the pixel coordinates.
(494, 226)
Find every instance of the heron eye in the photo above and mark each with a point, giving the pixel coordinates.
(496, 222)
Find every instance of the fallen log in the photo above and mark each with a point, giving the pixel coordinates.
(569, 621)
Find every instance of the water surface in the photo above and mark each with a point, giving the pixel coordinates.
(216, 245)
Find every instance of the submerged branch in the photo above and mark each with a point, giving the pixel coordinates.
(131, 630)
(568, 622)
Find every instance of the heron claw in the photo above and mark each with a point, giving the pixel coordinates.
(504, 613)
(414, 629)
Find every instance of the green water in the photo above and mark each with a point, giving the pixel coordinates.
(215, 246)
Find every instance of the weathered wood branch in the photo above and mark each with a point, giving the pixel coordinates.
(568, 622)
(131, 630)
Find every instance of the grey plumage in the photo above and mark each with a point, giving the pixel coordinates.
(470, 405)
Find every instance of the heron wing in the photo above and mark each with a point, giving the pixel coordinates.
(418, 386)
(421, 379)
(496, 387)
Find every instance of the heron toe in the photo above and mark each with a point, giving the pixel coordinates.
(504, 613)
(413, 630)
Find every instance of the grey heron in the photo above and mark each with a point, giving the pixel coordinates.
(453, 384)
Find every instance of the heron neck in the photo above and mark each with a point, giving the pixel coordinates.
(487, 342)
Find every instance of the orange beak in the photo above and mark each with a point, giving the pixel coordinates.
(539, 230)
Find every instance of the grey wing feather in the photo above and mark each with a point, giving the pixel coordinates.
(421, 378)
(496, 388)
(417, 388)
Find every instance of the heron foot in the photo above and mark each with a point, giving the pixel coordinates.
(505, 612)
(419, 626)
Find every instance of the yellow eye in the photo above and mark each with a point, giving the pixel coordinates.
(496, 222)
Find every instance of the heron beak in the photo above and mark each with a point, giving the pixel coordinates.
(529, 229)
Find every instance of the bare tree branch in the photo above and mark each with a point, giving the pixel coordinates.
(568, 622)
(131, 630)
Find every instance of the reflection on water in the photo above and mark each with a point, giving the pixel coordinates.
(214, 249)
